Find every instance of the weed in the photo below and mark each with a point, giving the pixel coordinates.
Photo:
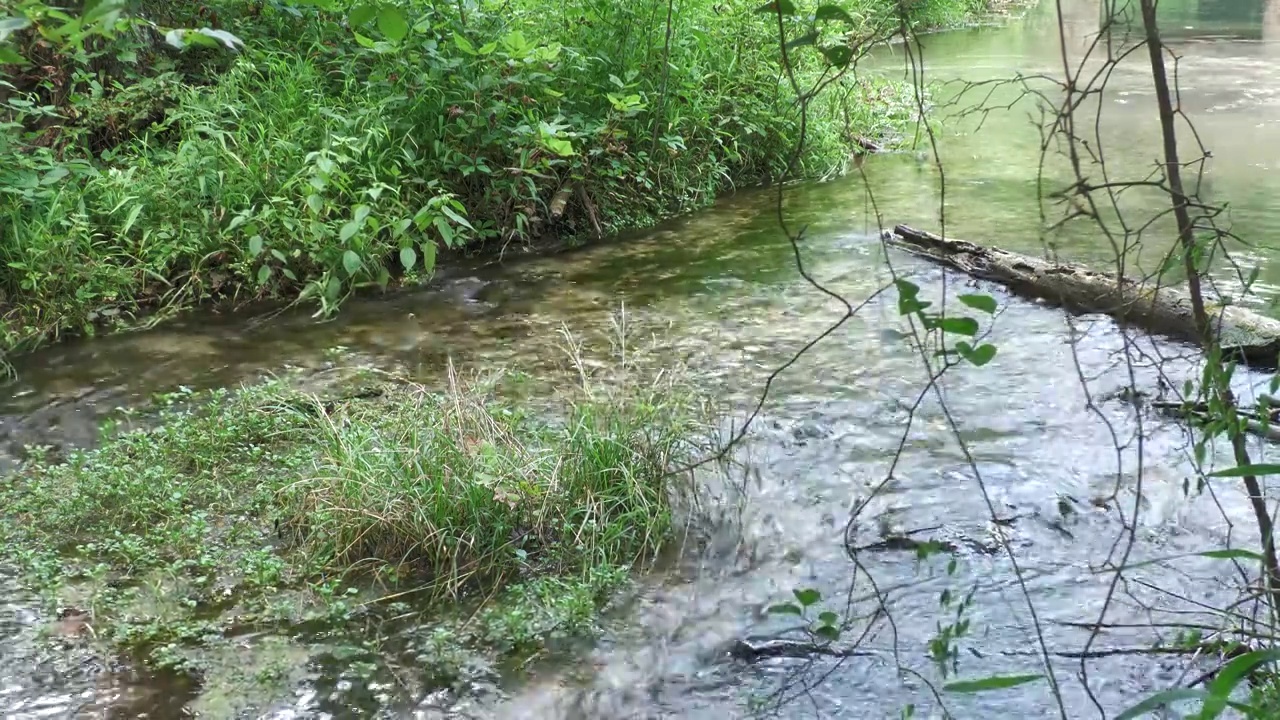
(271, 506)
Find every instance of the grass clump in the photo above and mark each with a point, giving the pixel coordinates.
(274, 508)
(460, 489)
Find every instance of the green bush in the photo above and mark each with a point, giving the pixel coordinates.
(349, 143)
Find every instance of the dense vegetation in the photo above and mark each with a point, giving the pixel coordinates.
(308, 148)
(350, 496)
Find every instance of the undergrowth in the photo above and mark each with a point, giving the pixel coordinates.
(277, 508)
(344, 148)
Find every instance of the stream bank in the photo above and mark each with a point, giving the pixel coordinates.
(720, 287)
(332, 157)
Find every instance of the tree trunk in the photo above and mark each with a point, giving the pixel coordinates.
(1163, 310)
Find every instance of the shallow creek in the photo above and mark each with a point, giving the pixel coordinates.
(721, 292)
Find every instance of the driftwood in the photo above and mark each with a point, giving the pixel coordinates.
(1253, 338)
(753, 649)
(902, 541)
(866, 145)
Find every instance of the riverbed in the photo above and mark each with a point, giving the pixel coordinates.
(1051, 444)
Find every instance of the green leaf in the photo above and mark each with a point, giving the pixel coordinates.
(807, 596)
(832, 12)
(1226, 554)
(838, 55)
(1232, 554)
(445, 230)
(464, 44)
(785, 7)
(133, 218)
(908, 300)
(827, 632)
(995, 682)
(561, 147)
(785, 609)
(1160, 700)
(392, 23)
(985, 303)
(408, 257)
(229, 40)
(9, 56)
(101, 11)
(1230, 676)
(315, 202)
(808, 38)
(959, 326)
(428, 256)
(977, 356)
(928, 549)
(174, 37)
(333, 288)
(10, 25)
(255, 246)
(456, 217)
(348, 230)
(828, 618)
(906, 288)
(264, 274)
(351, 262)
(360, 15)
(61, 171)
(278, 255)
(1253, 278)
(1248, 471)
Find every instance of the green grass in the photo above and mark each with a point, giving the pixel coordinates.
(464, 491)
(275, 507)
(1265, 697)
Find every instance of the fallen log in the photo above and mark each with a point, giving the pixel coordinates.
(867, 145)
(753, 649)
(1243, 334)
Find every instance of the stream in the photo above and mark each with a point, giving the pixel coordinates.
(720, 291)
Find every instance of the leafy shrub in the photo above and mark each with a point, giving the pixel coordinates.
(346, 144)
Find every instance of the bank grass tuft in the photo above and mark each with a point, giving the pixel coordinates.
(461, 490)
(280, 504)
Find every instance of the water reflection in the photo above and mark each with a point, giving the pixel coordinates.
(999, 170)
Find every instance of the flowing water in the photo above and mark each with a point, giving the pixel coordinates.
(723, 288)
